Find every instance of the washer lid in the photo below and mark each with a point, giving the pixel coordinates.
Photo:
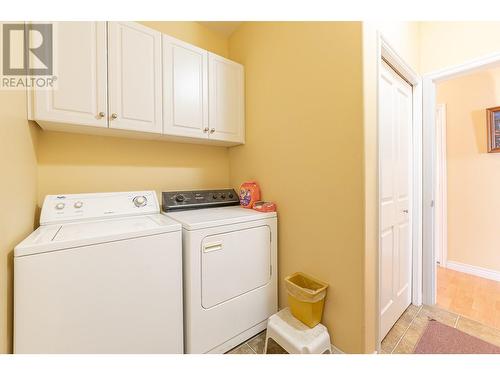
(58, 237)
(212, 217)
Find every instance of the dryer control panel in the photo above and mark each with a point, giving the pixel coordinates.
(185, 200)
(70, 207)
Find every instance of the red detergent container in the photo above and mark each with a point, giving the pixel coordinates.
(262, 206)
(249, 194)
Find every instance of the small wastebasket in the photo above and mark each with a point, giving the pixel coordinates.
(306, 297)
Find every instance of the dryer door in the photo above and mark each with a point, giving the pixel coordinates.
(234, 263)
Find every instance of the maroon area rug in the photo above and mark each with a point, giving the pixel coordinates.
(439, 338)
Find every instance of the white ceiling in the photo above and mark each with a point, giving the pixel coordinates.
(225, 28)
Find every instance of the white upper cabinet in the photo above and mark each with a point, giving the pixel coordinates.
(80, 96)
(134, 77)
(185, 89)
(125, 79)
(226, 97)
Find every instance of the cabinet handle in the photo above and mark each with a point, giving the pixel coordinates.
(212, 130)
(101, 114)
(114, 116)
(205, 130)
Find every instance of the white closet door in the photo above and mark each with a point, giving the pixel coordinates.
(395, 196)
(185, 89)
(80, 66)
(134, 69)
(226, 94)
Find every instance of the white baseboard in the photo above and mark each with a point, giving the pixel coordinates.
(474, 270)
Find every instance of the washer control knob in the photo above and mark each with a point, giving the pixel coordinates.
(140, 201)
(179, 198)
(214, 196)
(223, 196)
(231, 196)
(78, 204)
(60, 206)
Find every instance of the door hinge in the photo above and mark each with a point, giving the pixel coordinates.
(271, 270)
(432, 203)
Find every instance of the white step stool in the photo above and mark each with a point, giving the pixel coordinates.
(295, 337)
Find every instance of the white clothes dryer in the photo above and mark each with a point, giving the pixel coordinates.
(230, 268)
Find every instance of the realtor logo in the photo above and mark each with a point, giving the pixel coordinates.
(27, 50)
(27, 56)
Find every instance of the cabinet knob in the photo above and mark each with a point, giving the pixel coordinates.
(114, 116)
(101, 114)
(212, 130)
(205, 130)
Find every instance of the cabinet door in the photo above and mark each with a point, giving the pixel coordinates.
(134, 70)
(226, 97)
(80, 66)
(185, 89)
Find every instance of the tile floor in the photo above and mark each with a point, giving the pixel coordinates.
(256, 346)
(405, 334)
(468, 295)
(402, 337)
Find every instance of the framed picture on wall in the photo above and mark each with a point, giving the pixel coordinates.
(493, 120)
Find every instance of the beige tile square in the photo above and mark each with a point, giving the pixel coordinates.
(257, 342)
(479, 330)
(409, 313)
(391, 339)
(274, 348)
(242, 349)
(410, 339)
(432, 312)
(405, 346)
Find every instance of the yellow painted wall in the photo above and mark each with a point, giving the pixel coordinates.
(71, 163)
(310, 112)
(444, 44)
(194, 33)
(304, 145)
(17, 196)
(473, 173)
(403, 37)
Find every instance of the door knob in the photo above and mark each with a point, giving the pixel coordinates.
(114, 116)
(405, 211)
(205, 130)
(101, 114)
(212, 130)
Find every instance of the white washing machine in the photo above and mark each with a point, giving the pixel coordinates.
(102, 274)
(230, 268)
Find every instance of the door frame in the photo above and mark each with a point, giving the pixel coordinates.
(441, 222)
(429, 161)
(390, 55)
